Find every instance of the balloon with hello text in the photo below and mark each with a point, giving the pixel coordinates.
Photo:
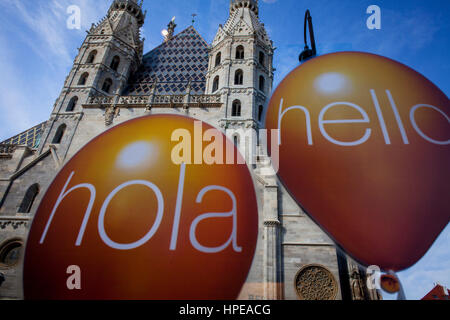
(150, 209)
(364, 149)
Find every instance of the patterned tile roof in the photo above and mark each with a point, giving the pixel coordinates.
(30, 137)
(172, 65)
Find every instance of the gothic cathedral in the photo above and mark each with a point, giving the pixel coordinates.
(226, 84)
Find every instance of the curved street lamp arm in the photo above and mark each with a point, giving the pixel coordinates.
(308, 23)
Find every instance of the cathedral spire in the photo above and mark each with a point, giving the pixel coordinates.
(251, 4)
(131, 6)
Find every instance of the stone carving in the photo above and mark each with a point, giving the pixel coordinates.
(133, 100)
(100, 100)
(13, 223)
(315, 282)
(355, 282)
(271, 223)
(110, 114)
(238, 124)
(161, 101)
(7, 148)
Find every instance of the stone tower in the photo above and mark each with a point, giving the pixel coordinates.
(112, 50)
(240, 67)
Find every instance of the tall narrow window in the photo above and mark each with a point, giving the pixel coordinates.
(262, 82)
(240, 53)
(28, 199)
(239, 77)
(115, 63)
(72, 104)
(236, 109)
(91, 57)
(236, 140)
(218, 59)
(83, 79)
(260, 113)
(59, 134)
(261, 58)
(215, 84)
(107, 85)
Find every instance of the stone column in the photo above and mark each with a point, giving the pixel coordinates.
(272, 253)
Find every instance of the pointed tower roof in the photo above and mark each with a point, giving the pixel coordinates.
(172, 66)
(123, 21)
(131, 6)
(251, 4)
(243, 21)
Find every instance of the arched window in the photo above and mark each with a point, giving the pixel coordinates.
(72, 104)
(239, 77)
(28, 199)
(215, 84)
(83, 79)
(107, 85)
(218, 59)
(10, 253)
(59, 134)
(115, 63)
(262, 82)
(260, 113)
(236, 110)
(240, 52)
(92, 56)
(261, 58)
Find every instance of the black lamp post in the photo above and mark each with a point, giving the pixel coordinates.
(308, 53)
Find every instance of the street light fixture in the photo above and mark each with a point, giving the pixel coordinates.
(308, 53)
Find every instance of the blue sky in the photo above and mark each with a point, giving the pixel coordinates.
(37, 51)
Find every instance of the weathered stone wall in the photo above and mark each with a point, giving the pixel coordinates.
(93, 122)
(42, 173)
(303, 243)
(12, 230)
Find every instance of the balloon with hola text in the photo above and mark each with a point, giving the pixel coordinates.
(364, 148)
(146, 210)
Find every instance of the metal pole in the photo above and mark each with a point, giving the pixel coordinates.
(308, 53)
(311, 33)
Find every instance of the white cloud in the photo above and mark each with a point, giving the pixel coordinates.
(16, 117)
(433, 268)
(47, 33)
(37, 28)
(47, 23)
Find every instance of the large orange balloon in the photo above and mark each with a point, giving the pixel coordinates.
(140, 225)
(364, 149)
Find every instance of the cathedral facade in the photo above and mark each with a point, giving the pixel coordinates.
(226, 84)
